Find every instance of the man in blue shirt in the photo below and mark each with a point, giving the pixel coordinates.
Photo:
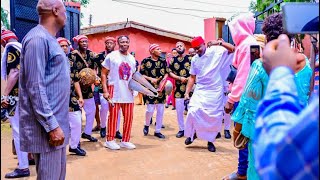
(286, 144)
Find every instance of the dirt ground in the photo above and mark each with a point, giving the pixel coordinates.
(152, 159)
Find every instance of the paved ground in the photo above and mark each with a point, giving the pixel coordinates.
(153, 158)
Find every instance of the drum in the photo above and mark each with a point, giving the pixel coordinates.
(87, 77)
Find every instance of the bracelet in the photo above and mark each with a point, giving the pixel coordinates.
(236, 131)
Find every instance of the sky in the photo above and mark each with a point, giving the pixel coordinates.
(182, 16)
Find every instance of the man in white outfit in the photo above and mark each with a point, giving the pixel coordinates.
(10, 66)
(206, 105)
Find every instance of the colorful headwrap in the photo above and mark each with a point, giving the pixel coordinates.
(197, 41)
(108, 38)
(62, 39)
(179, 43)
(153, 47)
(78, 38)
(6, 35)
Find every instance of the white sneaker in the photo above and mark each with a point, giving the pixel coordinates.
(112, 145)
(127, 145)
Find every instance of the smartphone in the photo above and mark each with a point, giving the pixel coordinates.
(300, 18)
(254, 53)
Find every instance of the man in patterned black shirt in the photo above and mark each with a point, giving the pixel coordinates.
(154, 69)
(79, 59)
(110, 44)
(179, 70)
(10, 65)
(75, 105)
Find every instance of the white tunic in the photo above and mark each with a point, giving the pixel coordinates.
(206, 104)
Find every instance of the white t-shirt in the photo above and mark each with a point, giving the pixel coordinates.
(208, 93)
(121, 67)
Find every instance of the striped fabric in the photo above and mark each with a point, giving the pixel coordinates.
(127, 111)
(44, 91)
(286, 144)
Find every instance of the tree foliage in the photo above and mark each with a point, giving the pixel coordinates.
(261, 5)
(4, 18)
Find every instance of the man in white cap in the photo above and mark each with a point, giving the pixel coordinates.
(154, 69)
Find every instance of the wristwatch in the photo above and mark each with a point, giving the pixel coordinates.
(220, 43)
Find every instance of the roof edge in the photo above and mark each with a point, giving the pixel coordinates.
(123, 25)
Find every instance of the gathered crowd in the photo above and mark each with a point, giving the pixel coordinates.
(270, 98)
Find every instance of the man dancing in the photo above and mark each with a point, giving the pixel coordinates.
(206, 105)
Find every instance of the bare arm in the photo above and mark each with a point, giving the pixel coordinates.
(104, 77)
(228, 46)
(191, 81)
(79, 93)
(12, 80)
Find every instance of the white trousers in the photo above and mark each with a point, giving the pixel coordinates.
(104, 109)
(159, 117)
(75, 127)
(180, 109)
(90, 110)
(226, 121)
(22, 156)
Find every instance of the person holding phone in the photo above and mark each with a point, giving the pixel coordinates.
(255, 88)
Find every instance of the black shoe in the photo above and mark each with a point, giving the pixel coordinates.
(162, 126)
(173, 108)
(180, 134)
(89, 137)
(211, 147)
(188, 141)
(227, 134)
(218, 135)
(159, 135)
(118, 135)
(31, 162)
(146, 130)
(78, 151)
(166, 105)
(103, 132)
(17, 173)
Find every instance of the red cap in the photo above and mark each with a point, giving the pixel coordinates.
(62, 39)
(110, 38)
(78, 38)
(7, 34)
(197, 41)
(153, 47)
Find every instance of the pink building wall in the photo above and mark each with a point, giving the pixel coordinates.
(209, 29)
(139, 42)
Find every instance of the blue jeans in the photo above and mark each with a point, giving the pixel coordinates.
(243, 155)
(243, 161)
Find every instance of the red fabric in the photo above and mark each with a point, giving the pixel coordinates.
(7, 34)
(78, 38)
(197, 41)
(110, 38)
(127, 111)
(153, 47)
(62, 39)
